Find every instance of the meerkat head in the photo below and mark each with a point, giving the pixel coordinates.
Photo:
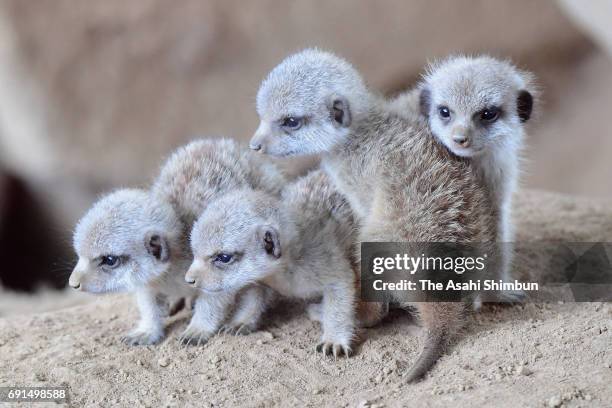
(235, 242)
(307, 104)
(476, 104)
(123, 242)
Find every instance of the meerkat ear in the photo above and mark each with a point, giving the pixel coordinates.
(425, 102)
(340, 111)
(157, 245)
(268, 236)
(524, 105)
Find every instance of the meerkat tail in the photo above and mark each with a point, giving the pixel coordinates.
(441, 320)
(433, 349)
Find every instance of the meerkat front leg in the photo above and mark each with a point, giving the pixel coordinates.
(252, 303)
(209, 314)
(338, 320)
(150, 329)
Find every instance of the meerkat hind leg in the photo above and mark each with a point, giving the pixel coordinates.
(369, 314)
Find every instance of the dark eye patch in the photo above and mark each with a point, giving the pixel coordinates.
(223, 258)
(489, 115)
(444, 112)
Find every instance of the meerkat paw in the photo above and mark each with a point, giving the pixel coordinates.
(315, 312)
(142, 338)
(333, 347)
(193, 336)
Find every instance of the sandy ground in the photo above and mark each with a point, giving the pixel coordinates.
(521, 356)
(44, 300)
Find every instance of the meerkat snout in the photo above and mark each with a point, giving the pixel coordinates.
(77, 275)
(258, 140)
(460, 135)
(194, 271)
(461, 140)
(74, 284)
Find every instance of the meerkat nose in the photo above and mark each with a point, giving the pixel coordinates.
(190, 280)
(75, 285)
(461, 140)
(255, 146)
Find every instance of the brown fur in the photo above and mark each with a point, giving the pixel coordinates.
(413, 190)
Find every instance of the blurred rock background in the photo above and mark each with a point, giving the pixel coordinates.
(93, 95)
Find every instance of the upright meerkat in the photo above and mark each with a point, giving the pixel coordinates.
(137, 241)
(478, 107)
(301, 246)
(400, 182)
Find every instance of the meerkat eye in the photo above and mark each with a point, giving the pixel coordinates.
(489, 115)
(444, 112)
(110, 261)
(292, 123)
(224, 258)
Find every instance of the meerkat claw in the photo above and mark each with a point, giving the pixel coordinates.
(243, 330)
(340, 351)
(333, 349)
(141, 338)
(190, 338)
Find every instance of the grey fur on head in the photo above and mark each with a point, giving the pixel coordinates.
(307, 103)
(128, 225)
(474, 104)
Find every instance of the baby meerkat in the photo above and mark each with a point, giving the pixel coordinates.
(302, 246)
(134, 240)
(477, 107)
(128, 243)
(401, 183)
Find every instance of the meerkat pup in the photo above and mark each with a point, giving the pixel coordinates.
(401, 183)
(137, 241)
(128, 243)
(301, 246)
(478, 107)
